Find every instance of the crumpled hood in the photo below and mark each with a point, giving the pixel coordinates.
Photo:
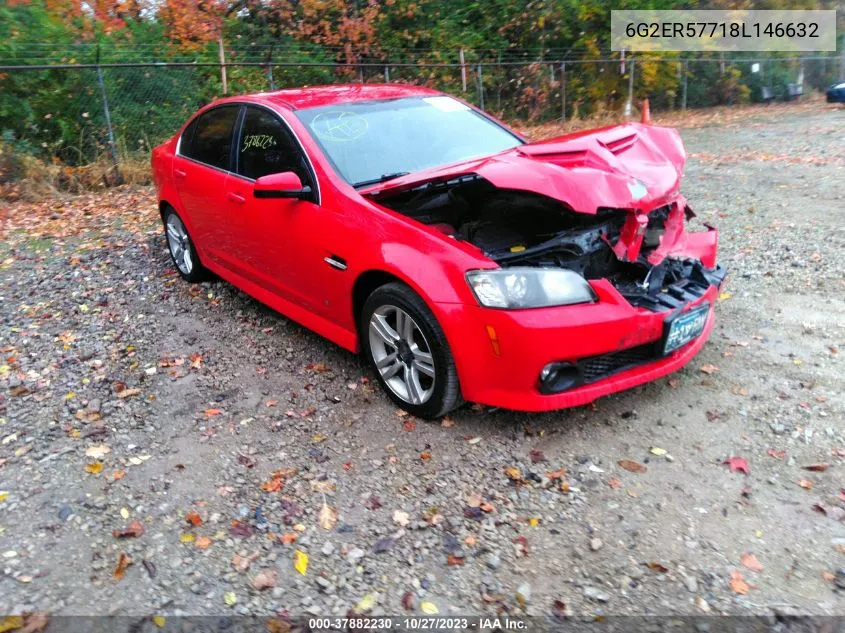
(630, 166)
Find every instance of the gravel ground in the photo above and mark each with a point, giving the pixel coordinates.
(222, 438)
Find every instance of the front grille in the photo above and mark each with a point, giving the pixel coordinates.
(598, 367)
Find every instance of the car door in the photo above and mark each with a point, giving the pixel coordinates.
(264, 231)
(200, 169)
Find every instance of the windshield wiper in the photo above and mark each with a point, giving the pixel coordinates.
(382, 178)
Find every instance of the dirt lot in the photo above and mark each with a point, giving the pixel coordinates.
(128, 395)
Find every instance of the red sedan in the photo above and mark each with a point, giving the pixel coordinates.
(463, 261)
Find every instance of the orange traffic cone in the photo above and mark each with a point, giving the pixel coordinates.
(645, 113)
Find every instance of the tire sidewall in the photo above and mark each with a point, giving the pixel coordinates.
(440, 353)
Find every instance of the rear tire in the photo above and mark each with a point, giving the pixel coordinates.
(408, 352)
(183, 254)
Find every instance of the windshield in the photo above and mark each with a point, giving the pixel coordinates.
(374, 141)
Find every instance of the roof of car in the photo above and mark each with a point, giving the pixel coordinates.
(311, 97)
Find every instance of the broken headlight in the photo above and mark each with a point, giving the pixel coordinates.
(524, 287)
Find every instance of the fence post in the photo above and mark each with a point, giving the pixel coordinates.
(386, 74)
(463, 70)
(629, 105)
(270, 69)
(480, 87)
(684, 91)
(222, 55)
(118, 180)
(563, 91)
(842, 60)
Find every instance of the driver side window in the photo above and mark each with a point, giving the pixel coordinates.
(267, 147)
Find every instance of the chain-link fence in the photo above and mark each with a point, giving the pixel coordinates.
(79, 113)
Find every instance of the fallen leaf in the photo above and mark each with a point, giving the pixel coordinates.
(409, 425)
(401, 518)
(288, 538)
(128, 393)
(265, 579)
(453, 560)
(324, 486)
(614, 483)
(366, 603)
(708, 369)
(654, 450)
(425, 455)
(300, 561)
(373, 503)
(806, 484)
(429, 608)
(95, 469)
(738, 583)
(210, 413)
(202, 542)
(187, 538)
(133, 530)
(328, 517)
(537, 456)
(193, 518)
(123, 562)
(513, 473)
(817, 468)
(554, 475)
(159, 621)
(776, 454)
(737, 465)
(632, 466)
(97, 451)
(230, 598)
(242, 563)
(447, 423)
(749, 561)
(658, 567)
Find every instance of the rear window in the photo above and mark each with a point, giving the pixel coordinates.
(209, 138)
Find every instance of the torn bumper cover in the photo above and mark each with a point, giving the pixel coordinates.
(552, 358)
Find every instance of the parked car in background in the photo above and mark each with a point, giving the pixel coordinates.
(463, 261)
(836, 93)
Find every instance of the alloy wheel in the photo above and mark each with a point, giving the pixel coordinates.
(401, 354)
(179, 244)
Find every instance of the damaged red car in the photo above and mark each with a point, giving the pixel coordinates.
(464, 262)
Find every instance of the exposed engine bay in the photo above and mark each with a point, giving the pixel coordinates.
(521, 228)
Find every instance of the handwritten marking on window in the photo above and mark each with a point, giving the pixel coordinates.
(257, 141)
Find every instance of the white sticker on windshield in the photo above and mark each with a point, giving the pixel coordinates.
(446, 104)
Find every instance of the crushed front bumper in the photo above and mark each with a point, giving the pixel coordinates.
(611, 344)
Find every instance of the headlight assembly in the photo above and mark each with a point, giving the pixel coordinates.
(525, 287)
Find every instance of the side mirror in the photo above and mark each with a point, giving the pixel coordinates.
(283, 185)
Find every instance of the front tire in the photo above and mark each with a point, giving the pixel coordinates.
(183, 254)
(409, 353)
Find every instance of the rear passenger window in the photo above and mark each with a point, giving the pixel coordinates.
(209, 138)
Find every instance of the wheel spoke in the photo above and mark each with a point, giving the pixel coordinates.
(386, 333)
(412, 382)
(186, 259)
(424, 368)
(389, 372)
(387, 360)
(172, 232)
(406, 330)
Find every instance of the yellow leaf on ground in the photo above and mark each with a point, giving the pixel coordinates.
(429, 608)
(95, 469)
(300, 561)
(187, 538)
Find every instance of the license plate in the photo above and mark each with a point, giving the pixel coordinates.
(685, 327)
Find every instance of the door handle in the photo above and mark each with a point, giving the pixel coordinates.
(180, 174)
(236, 197)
